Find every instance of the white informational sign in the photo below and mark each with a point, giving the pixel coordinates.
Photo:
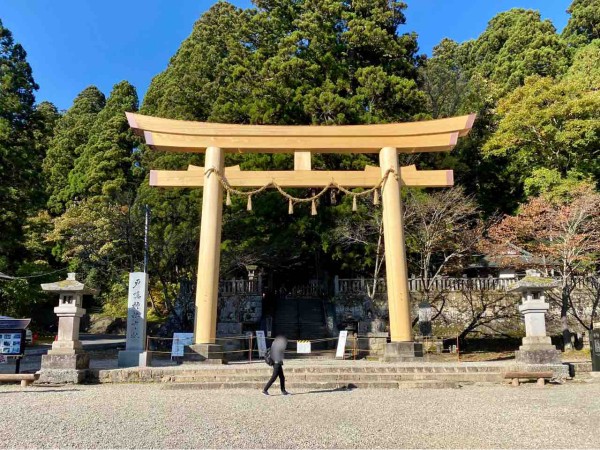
(3, 359)
(341, 347)
(303, 347)
(136, 311)
(180, 340)
(261, 342)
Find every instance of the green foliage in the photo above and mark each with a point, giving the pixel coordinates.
(18, 161)
(444, 80)
(100, 240)
(71, 134)
(552, 185)
(516, 44)
(585, 69)
(106, 167)
(487, 74)
(549, 124)
(584, 24)
(278, 63)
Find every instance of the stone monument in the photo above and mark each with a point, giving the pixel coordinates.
(537, 348)
(135, 353)
(66, 362)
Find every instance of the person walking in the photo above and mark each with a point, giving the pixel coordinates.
(277, 354)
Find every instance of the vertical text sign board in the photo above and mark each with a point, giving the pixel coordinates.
(341, 347)
(261, 343)
(136, 311)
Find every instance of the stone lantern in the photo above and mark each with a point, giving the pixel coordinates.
(66, 362)
(251, 268)
(537, 348)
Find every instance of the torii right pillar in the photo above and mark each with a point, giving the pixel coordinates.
(402, 346)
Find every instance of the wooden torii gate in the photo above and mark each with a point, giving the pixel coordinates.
(217, 139)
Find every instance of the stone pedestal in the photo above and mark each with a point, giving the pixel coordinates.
(537, 350)
(206, 353)
(377, 342)
(134, 358)
(402, 351)
(64, 369)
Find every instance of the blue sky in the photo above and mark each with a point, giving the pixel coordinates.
(72, 44)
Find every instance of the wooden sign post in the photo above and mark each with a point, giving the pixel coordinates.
(217, 139)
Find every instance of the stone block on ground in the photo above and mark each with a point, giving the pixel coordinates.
(135, 358)
(79, 361)
(542, 356)
(206, 353)
(402, 351)
(62, 376)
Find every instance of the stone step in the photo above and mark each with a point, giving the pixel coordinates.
(316, 385)
(342, 378)
(315, 355)
(262, 371)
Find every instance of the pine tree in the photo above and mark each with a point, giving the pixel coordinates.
(584, 24)
(105, 169)
(17, 147)
(202, 67)
(46, 117)
(517, 43)
(71, 134)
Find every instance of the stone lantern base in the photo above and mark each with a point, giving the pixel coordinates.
(64, 369)
(537, 350)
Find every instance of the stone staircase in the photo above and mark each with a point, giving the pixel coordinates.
(321, 377)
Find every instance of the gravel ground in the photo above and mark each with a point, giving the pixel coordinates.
(147, 415)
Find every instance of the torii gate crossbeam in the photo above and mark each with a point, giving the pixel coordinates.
(217, 139)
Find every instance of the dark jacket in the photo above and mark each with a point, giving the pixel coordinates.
(278, 349)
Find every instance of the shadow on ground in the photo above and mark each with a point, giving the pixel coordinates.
(350, 388)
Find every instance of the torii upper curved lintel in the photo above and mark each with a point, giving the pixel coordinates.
(409, 137)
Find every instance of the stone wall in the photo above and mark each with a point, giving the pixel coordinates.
(500, 313)
(245, 308)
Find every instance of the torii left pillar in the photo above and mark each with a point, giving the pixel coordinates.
(205, 347)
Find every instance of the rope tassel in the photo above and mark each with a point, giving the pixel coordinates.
(313, 209)
(354, 206)
(291, 207)
(376, 197)
(228, 199)
(249, 207)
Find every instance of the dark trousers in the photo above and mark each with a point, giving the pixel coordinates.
(277, 372)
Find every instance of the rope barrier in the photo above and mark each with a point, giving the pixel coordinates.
(293, 200)
(352, 341)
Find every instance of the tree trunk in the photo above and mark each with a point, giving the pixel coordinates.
(566, 334)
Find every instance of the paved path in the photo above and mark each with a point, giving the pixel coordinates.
(147, 415)
(101, 345)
